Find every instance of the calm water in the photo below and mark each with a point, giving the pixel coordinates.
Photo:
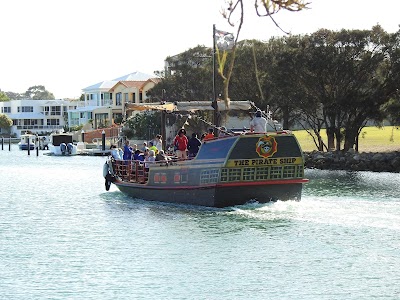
(62, 236)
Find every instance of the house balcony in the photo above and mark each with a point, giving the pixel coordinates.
(41, 127)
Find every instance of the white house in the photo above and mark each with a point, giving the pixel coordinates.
(38, 116)
(105, 101)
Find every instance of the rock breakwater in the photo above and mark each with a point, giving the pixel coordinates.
(354, 161)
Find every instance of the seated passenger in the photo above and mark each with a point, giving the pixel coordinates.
(161, 156)
(223, 132)
(209, 135)
(149, 159)
(138, 156)
(116, 153)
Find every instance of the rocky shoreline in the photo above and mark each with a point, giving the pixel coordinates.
(353, 161)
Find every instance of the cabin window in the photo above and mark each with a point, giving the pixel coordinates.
(219, 149)
(289, 171)
(262, 173)
(209, 176)
(248, 174)
(235, 174)
(276, 172)
(300, 171)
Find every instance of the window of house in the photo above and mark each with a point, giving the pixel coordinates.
(6, 109)
(25, 108)
(118, 99)
(133, 97)
(51, 122)
(56, 110)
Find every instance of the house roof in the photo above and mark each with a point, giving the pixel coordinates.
(135, 76)
(104, 85)
(130, 84)
(108, 84)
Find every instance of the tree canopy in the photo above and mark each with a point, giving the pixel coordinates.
(3, 97)
(334, 80)
(38, 92)
(5, 121)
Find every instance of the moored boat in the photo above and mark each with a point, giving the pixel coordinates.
(27, 141)
(227, 171)
(61, 144)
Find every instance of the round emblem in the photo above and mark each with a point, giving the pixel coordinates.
(266, 146)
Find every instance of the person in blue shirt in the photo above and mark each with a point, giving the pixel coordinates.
(127, 151)
(138, 156)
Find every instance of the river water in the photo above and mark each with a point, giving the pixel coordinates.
(62, 236)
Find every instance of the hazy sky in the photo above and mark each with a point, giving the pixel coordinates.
(69, 45)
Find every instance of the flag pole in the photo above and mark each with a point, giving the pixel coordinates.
(215, 103)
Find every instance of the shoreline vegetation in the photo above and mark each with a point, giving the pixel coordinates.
(379, 151)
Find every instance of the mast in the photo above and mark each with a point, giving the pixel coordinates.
(214, 102)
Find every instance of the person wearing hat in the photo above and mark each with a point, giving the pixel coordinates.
(259, 123)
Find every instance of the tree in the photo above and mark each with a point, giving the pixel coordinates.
(5, 122)
(234, 14)
(3, 97)
(39, 92)
(143, 125)
(189, 77)
(14, 96)
(342, 79)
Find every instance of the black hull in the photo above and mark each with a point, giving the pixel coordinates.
(214, 196)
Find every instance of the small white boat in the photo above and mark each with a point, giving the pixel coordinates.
(62, 144)
(27, 140)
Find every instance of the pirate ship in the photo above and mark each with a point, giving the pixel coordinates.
(227, 171)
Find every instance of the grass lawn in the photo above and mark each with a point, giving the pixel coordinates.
(372, 139)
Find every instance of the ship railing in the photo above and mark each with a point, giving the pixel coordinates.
(134, 170)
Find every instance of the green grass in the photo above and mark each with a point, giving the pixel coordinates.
(372, 139)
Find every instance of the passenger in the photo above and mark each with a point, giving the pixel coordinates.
(193, 145)
(149, 159)
(158, 142)
(222, 132)
(180, 144)
(152, 147)
(138, 156)
(161, 156)
(209, 135)
(259, 123)
(127, 151)
(144, 147)
(116, 153)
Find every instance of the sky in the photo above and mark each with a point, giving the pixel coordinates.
(67, 45)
